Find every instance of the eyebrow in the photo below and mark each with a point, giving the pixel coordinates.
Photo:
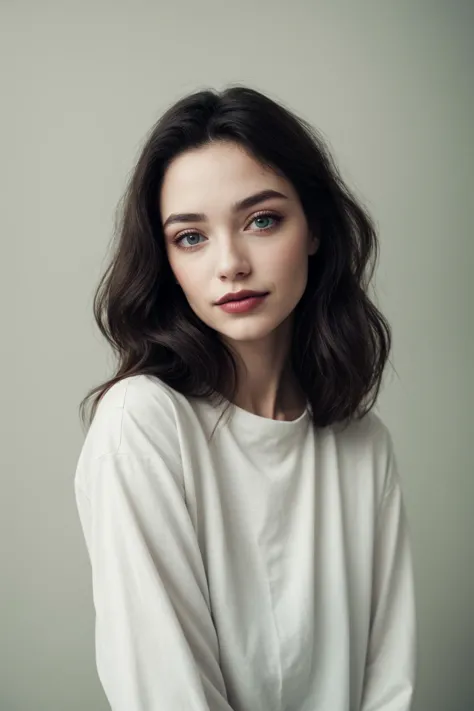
(237, 207)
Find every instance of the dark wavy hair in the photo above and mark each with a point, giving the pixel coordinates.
(341, 341)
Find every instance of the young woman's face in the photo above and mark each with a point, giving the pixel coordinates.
(264, 247)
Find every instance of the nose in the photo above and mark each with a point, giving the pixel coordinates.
(232, 262)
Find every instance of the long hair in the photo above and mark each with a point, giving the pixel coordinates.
(341, 341)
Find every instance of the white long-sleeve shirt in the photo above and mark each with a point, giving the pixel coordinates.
(269, 570)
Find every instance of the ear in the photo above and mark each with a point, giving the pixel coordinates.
(313, 245)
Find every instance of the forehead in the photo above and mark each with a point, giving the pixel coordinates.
(218, 173)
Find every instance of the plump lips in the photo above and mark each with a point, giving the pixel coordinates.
(240, 295)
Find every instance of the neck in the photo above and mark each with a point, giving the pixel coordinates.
(266, 384)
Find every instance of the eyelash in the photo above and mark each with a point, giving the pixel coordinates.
(278, 219)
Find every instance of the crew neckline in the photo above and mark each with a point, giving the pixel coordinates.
(259, 425)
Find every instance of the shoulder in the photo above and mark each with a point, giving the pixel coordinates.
(141, 393)
(365, 453)
(137, 416)
(368, 434)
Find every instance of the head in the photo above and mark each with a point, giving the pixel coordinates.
(312, 248)
(230, 224)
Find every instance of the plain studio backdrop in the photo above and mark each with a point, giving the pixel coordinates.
(389, 84)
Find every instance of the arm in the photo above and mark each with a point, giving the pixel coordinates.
(156, 645)
(391, 660)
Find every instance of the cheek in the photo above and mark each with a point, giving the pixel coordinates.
(178, 267)
(288, 263)
(191, 280)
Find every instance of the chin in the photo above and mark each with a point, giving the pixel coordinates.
(247, 331)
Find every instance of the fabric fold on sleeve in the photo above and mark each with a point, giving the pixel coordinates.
(156, 644)
(391, 661)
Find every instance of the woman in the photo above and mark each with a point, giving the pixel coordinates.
(259, 562)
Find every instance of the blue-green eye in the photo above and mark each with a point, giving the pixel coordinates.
(277, 219)
(262, 216)
(187, 235)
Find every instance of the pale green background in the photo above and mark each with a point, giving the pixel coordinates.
(390, 85)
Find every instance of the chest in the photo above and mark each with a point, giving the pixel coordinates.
(287, 550)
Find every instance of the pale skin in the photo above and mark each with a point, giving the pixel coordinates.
(231, 250)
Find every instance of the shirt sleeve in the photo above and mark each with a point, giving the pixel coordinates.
(391, 661)
(155, 641)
